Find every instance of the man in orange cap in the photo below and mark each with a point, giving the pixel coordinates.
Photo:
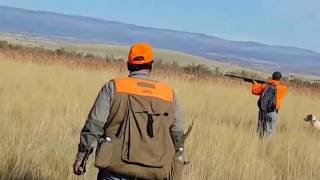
(136, 124)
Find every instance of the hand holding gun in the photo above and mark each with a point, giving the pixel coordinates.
(79, 167)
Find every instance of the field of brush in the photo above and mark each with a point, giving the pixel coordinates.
(118, 51)
(43, 108)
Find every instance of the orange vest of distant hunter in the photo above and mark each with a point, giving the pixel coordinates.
(257, 89)
(139, 128)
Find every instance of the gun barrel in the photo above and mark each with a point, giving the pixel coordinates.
(245, 79)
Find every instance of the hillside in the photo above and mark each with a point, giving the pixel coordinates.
(84, 29)
(120, 51)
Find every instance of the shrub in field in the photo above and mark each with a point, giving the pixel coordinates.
(4, 44)
(62, 55)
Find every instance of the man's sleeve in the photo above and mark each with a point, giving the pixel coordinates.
(97, 117)
(177, 128)
(257, 89)
(282, 91)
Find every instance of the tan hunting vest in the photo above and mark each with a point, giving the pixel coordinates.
(139, 128)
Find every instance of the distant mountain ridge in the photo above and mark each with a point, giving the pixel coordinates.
(244, 53)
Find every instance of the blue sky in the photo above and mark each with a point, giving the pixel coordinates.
(279, 22)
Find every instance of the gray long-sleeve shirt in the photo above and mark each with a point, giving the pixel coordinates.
(97, 118)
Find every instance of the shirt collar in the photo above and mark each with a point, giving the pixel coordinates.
(274, 82)
(139, 75)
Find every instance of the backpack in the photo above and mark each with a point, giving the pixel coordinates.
(267, 101)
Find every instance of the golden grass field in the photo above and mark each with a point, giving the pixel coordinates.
(43, 108)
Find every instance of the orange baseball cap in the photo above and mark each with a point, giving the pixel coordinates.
(140, 53)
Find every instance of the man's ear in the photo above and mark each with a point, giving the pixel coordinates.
(128, 67)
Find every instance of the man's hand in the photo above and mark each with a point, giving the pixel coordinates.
(77, 169)
(254, 82)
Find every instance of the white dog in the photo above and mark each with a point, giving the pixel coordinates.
(313, 121)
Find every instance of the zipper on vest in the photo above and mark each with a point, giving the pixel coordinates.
(150, 126)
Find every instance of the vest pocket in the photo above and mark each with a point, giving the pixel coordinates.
(147, 140)
(104, 154)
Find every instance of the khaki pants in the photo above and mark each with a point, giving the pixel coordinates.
(107, 175)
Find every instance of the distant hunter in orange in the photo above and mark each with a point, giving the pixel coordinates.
(271, 95)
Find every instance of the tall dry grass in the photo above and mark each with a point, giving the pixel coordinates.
(43, 108)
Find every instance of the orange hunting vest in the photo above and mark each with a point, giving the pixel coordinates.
(139, 125)
(147, 88)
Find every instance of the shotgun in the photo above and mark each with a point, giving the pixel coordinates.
(84, 161)
(246, 79)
